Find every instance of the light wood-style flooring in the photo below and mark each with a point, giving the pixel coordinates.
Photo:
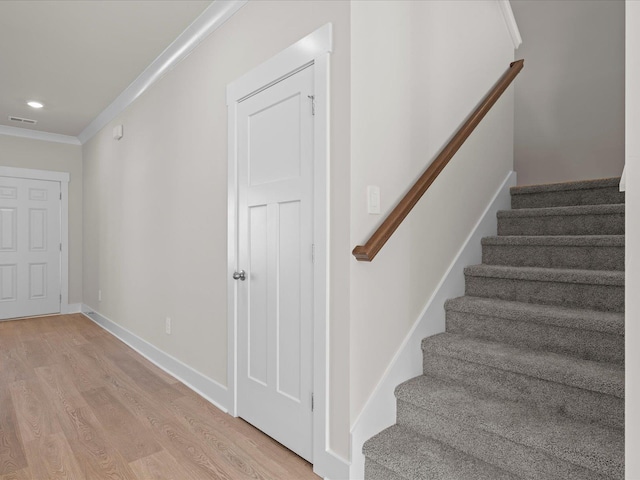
(76, 403)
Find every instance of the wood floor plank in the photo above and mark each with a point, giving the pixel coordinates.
(136, 370)
(10, 338)
(51, 458)
(160, 466)
(36, 353)
(35, 416)
(95, 455)
(24, 474)
(72, 362)
(128, 434)
(12, 457)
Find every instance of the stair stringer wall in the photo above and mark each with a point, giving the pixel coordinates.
(380, 409)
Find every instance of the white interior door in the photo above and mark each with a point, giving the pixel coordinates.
(275, 214)
(29, 247)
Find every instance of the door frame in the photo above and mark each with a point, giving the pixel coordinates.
(63, 179)
(314, 49)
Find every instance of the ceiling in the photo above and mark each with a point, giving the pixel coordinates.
(77, 56)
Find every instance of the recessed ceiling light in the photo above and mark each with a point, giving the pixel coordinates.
(33, 104)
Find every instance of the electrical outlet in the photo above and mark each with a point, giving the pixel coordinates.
(167, 326)
(99, 295)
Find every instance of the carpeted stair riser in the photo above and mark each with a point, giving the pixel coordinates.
(586, 253)
(584, 220)
(541, 196)
(412, 456)
(523, 461)
(580, 343)
(599, 297)
(605, 322)
(575, 295)
(428, 404)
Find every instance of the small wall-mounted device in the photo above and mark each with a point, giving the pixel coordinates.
(117, 132)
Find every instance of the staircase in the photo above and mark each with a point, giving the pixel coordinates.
(527, 382)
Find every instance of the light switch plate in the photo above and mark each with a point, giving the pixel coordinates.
(373, 199)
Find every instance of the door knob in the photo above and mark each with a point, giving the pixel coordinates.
(239, 275)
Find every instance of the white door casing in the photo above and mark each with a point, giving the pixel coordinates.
(30, 247)
(275, 349)
(314, 49)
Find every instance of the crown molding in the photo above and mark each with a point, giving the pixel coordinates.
(209, 21)
(510, 20)
(38, 135)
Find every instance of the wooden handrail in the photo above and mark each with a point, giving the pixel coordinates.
(367, 252)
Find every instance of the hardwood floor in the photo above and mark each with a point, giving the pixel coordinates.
(76, 403)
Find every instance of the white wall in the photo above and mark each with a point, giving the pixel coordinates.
(632, 251)
(570, 98)
(22, 152)
(418, 69)
(155, 215)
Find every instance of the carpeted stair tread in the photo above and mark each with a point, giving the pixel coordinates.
(540, 274)
(590, 192)
(594, 447)
(416, 457)
(564, 186)
(599, 192)
(605, 322)
(606, 209)
(599, 377)
(556, 240)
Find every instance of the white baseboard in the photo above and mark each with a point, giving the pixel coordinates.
(380, 410)
(208, 388)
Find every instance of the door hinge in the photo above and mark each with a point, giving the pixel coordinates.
(60, 298)
(313, 104)
(60, 247)
(312, 401)
(313, 253)
(60, 195)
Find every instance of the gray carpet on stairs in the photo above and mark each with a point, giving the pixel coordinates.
(528, 380)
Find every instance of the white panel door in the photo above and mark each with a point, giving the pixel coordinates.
(275, 346)
(29, 247)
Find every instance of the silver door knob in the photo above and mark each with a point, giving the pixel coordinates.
(239, 275)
